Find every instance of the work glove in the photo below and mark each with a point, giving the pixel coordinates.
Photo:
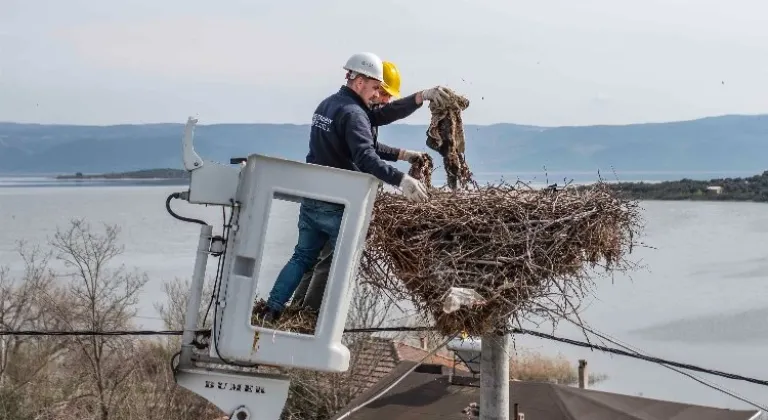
(437, 94)
(412, 156)
(413, 189)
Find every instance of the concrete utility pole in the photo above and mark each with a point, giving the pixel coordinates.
(494, 376)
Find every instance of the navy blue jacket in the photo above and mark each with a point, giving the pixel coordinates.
(344, 135)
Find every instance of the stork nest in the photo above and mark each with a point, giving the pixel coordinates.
(522, 250)
(298, 319)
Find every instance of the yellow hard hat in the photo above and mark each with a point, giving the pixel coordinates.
(391, 83)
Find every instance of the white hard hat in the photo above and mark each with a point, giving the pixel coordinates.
(367, 64)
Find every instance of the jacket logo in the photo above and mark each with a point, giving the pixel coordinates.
(321, 122)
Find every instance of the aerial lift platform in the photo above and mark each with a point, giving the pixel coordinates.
(236, 366)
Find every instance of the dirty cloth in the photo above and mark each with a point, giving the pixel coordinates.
(445, 135)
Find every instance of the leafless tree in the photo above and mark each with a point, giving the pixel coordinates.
(155, 394)
(98, 298)
(114, 377)
(174, 309)
(174, 401)
(23, 359)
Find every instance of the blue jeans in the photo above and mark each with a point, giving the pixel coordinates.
(312, 287)
(318, 222)
(317, 274)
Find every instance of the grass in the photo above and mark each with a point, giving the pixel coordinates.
(530, 366)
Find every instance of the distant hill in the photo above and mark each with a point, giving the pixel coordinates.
(708, 144)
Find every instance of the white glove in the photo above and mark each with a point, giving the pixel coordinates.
(437, 94)
(413, 189)
(412, 155)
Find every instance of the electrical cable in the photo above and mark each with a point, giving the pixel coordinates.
(397, 381)
(93, 333)
(620, 352)
(712, 385)
(178, 195)
(639, 356)
(180, 332)
(219, 266)
(219, 273)
(387, 329)
(176, 215)
(636, 354)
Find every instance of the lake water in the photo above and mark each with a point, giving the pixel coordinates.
(701, 299)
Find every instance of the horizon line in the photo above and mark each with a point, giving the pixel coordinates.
(399, 123)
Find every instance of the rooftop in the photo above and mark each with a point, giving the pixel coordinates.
(430, 393)
(376, 358)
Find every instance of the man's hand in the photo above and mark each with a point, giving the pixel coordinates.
(411, 156)
(437, 94)
(413, 189)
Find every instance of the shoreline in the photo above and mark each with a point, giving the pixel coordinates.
(164, 174)
(747, 189)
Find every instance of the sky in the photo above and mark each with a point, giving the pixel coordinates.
(543, 62)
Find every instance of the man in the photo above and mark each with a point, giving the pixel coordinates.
(312, 286)
(341, 136)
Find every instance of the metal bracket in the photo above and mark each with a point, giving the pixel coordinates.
(243, 393)
(218, 244)
(190, 157)
(210, 182)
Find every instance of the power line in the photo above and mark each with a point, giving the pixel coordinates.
(636, 355)
(713, 385)
(93, 333)
(522, 331)
(398, 380)
(180, 332)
